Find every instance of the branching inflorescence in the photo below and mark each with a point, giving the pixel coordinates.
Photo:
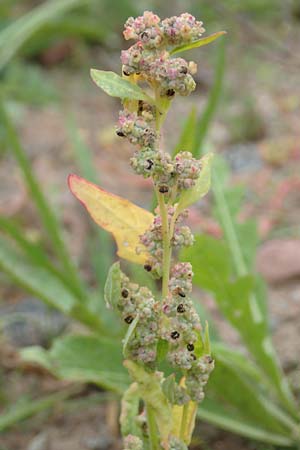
(165, 329)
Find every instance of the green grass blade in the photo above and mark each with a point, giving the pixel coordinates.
(25, 409)
(217, 415)
(48, 218)
(100, 242)
(13, 37)
(186, 140)
(205, 120)
(34, 252)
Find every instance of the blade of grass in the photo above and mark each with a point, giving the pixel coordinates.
(186, 140)
(33, 251)
(48, 288)
(16, 34)
(48, 218)
(100, 243)
(30, 407)
(205, 120)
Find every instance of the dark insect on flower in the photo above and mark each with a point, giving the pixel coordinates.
(193, 356)
(190, 347)
(147, 267)
(125, 293)
(183, 70)
(149, 164)
(128, 319)
(180, 308)
(175, 335)
(120, 133)
(181, 293)
(210, 360)
(126, 73)
(163, 189)
(170, 93)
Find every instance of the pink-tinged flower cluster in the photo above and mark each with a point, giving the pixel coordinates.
(182, 29)
(135, 27)
(188, 169)
(150, 57)
(173, 75)
(155, 33)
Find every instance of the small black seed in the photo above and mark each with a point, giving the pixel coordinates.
(163, 189)
(175, 335)
(148, 267)
(141, 105)
(181, 308)
(170, 93)
(125, 293)
(190, 347)
(126, 73)
(181, 293)
(144, 35)
(128, 319)
(120, 133)
(149, 164)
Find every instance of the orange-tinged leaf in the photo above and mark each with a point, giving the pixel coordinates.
(117, 215)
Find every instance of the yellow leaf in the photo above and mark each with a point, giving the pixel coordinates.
(117, 215)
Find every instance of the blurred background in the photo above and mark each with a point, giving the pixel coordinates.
(54, 121)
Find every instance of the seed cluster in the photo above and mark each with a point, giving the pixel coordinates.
(139, 301)
(180, 172)
(152, 239)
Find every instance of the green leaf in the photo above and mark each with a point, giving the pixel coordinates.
(255, 326)
(198, 43)
(212, 266)
(201, 187)
(116, 86)
(84, 359)
(112, 288)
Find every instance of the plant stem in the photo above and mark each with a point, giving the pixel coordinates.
(152, 429)
(167, 249)
(184, 419)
